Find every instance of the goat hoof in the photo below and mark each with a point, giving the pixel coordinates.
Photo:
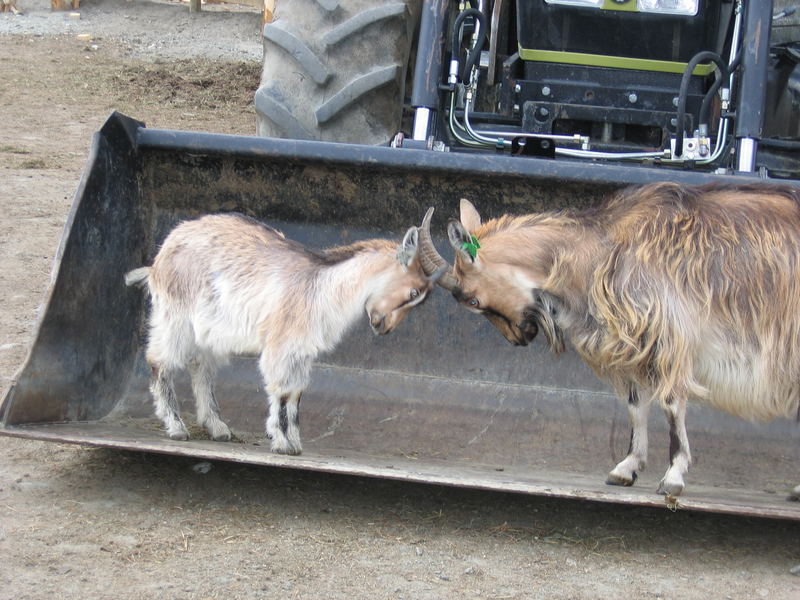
(670, 489)
(288, 449)
(623, 481)
(180, 436)
(220, 433)
(281, 448)
(794, 495)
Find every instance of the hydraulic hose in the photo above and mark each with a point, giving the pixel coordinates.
(684, 92)
(780, 144)
(472, 55)
(705, 108)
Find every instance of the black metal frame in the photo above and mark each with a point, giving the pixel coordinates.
(598, 94)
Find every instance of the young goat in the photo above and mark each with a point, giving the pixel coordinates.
(669, 293)
(227, 284)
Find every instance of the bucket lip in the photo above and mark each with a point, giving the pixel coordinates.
(382, 157)
(423, 161)
(426, 471)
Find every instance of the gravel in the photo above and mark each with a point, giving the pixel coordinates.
(152, 28)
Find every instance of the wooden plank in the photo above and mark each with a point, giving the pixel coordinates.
(267, 6)
(253, 3)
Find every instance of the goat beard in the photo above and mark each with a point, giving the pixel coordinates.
(540, 315)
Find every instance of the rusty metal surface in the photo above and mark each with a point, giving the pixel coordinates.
(444, 399)
(541, 482)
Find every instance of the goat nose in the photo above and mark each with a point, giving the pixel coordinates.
(378, 324)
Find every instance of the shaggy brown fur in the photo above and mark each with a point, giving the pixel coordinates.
(657, 265)
(680, 292)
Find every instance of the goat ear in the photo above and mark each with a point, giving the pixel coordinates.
(459, 236)
(407, 250)
(470, 218)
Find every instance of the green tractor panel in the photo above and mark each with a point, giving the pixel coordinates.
(692, 84)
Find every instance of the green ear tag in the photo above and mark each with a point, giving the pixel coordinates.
(471, 248)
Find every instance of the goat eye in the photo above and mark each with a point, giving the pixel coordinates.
(413, 293)
(473, 302)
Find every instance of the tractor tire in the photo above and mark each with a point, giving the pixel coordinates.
(335, 70)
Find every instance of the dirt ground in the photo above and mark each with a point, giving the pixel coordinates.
(88, 523)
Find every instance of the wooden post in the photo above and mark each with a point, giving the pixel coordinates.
(194, 6)
(9, 5)
(269, 11)
(63, 4)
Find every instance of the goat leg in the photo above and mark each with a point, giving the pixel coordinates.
(166, 403)
(283, 422)
(625, 473)
(202, 371)
(679, 455)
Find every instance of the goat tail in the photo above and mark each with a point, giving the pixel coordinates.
(137, 277)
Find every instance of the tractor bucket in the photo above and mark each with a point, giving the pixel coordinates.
(444, 399)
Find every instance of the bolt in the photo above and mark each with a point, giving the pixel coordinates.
(516, 108)
(545, 91)
(632, 97)
(543, 111)
(675, 102)
(517, 88)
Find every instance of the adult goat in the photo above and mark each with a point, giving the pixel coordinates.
(668, 292)
(228, 284)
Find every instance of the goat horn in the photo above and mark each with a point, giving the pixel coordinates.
(432, 262)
